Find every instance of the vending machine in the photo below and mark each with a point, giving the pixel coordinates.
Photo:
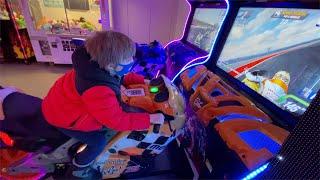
(53, 23)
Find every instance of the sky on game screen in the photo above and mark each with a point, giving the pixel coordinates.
(264, 41)
(204, 27)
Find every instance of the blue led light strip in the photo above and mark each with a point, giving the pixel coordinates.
(254, 173)
(215, 39)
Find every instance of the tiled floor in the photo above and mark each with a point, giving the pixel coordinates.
(35, 79)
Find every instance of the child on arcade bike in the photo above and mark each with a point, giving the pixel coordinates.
(87, 98)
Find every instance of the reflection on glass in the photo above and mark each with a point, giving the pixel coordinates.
(4, 15)
(66, 16)
(204, 27)
(83, 15)
(17, 14)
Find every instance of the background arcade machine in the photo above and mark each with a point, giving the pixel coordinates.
(201, 29)
(53, 23)
(244, 102)
(150, 59)
(15, 42)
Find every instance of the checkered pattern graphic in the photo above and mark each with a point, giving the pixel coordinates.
(299, 157)
(150, 142)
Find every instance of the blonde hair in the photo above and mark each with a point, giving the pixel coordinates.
(109, 48)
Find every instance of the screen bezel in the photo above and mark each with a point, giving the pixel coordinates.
(194, 6)
(282, 117)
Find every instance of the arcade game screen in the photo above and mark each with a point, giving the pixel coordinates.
(275, 51)
(204, 27)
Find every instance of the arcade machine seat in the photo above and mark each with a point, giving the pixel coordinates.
(214, 99)
(252, 139)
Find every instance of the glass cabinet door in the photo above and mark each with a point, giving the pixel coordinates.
(83, 16)
(65, 16)
(4, 15)
(49, 16)
(17, 14)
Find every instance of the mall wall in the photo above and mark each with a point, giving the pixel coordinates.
(148, 20)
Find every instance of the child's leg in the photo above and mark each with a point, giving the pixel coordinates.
(4, 92)
(95, 140)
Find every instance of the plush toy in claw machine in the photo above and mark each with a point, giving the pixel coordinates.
(77, 26)
(53, 26)
(19, 18)
(97, 2)
(4, 15)
(15, 39)
(81, 26)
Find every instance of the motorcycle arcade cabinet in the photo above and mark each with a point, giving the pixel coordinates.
(243, 102)
(201, 29)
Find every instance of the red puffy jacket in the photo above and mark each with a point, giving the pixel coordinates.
(85, 99)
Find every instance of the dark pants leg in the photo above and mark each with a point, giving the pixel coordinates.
(95, 140)
(23, 117)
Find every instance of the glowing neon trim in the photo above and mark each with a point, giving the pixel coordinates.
(158, 73)
(284, 98)
(256, 172)
(213, 44)
(185, 26)
(193, 60)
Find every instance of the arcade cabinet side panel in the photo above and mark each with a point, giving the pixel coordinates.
(299, 157)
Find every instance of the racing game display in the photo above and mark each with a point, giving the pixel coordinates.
(275, 51)
(204, 27)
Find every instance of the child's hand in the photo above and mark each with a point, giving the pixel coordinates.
(146, 81)
(122, 88)
(157, 118)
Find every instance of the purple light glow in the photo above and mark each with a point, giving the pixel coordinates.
(186, 66)
(193, 60)
(158, 73)
(185, 26)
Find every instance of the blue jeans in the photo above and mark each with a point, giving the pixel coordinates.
(95, 140)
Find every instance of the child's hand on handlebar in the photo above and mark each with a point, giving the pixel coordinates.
(146, 81)
(157, 118)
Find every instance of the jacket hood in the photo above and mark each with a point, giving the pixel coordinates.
(88, 70)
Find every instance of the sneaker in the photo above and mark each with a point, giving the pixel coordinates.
(75, 172)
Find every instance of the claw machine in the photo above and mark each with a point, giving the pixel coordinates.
(53, 23)
(15, 42)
